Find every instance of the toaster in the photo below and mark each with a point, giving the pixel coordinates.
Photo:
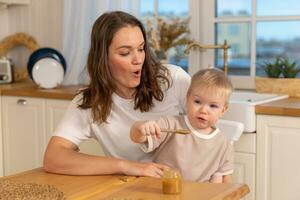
(6, 75)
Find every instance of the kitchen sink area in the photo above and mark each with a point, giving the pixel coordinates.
(242, 107)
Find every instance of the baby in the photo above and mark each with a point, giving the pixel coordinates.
(205, 155)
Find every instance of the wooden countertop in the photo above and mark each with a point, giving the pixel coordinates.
(284, 107)
(29, 89)
(127, 187)
(12, 86)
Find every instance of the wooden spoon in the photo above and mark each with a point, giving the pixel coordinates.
(177, 131)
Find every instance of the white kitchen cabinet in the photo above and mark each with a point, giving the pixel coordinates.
(278, 164)
(24, 139)
(27, 125)
(1, 141)
(244, 162)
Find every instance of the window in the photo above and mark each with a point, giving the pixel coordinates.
(167, 9)
(257, 30)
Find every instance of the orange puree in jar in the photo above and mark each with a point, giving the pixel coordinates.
(171, 182)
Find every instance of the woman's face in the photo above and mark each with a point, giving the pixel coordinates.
(126, 57)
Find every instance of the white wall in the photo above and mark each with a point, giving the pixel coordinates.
(3, 22)
(42, 19)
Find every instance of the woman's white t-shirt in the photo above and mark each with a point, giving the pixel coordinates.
(77, 124)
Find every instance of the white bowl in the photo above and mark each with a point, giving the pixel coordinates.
(47, 73)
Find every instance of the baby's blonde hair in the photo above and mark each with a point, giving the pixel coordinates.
(213, 79)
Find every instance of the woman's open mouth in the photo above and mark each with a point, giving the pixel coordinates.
(137, 73)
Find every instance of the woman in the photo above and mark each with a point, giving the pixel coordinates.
(126, 84)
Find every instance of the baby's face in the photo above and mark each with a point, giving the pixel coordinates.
(205, 107)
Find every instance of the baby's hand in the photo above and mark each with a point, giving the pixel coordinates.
(150, 128)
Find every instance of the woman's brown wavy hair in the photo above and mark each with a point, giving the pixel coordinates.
(98, 94)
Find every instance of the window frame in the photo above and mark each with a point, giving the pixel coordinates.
(203, 30)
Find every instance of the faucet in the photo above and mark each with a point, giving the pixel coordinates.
(224, 46)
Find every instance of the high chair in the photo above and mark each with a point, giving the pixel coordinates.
(232, 129)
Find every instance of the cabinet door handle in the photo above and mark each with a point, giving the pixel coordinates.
(21, 102)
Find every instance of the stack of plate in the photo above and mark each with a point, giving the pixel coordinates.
(46, 67)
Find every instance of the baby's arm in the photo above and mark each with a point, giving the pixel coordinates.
(141, 129)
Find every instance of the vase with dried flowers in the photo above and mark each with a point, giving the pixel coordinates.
(168, 34)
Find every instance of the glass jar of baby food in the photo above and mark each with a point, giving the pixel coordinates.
(171, 181)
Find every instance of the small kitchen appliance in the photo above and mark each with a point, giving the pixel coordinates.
(6, 74)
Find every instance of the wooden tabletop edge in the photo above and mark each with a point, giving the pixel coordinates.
(238, 194)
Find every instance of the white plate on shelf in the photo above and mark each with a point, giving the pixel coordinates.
(47, 73)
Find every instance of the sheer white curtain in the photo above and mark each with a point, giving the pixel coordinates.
(79, 16)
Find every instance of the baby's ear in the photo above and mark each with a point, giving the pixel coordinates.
(225, 108)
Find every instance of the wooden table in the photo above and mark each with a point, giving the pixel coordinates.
(127, 187)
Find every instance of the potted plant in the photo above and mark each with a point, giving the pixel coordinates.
(281, 77)
(289, 70)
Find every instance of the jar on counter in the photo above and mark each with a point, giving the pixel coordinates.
(171, 182)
